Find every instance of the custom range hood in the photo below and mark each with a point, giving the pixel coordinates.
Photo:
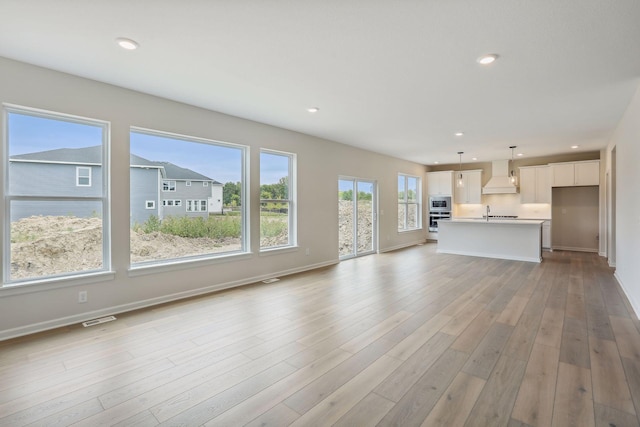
(500, 182)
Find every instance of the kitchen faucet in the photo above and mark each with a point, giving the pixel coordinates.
(488, 210)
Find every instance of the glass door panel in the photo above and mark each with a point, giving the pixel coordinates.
(356, 217)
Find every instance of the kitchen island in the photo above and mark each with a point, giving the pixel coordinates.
(519, 240)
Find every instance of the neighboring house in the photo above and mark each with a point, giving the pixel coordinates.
(157, 188)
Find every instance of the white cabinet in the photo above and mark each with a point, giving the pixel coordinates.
(440, 183)
(546, 235)
(574, 174)
(535, 186)
(471, 191)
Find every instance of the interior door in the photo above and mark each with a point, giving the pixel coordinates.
(357, 217)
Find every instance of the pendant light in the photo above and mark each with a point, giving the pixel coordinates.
(460, 181)
(513, 179)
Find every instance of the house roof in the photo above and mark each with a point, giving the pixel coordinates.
(176, 172)
(93, 155)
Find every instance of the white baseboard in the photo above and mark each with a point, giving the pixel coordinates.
(634, 304)
(573, 249)
(402, 246)
(115, 310)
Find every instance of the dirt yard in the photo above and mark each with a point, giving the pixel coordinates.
(49, 245)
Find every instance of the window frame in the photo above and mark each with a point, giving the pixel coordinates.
(291, 201)
(169, 185)
(152, 202)
(197, 203)
(104, 199)
(78, 176)
(170, 264)
(405, 201)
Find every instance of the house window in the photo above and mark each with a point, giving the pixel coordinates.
(409, 202)
(277, 195)
(205, 183)
(164, 159)
(83, 176)
(150, 204)
(196, 206)
(43, 205)
(168, 186)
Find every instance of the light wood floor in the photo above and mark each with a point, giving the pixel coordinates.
(404, 338)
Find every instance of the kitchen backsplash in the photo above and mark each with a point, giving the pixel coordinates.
(503, 204)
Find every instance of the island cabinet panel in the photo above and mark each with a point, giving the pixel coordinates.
(535, 185)
(471, 190)
(573, 174)
(440, 183)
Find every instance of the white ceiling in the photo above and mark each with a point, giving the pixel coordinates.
(398, 77)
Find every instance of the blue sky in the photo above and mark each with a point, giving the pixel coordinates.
(29, 134)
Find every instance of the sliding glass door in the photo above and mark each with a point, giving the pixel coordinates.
(356, 217)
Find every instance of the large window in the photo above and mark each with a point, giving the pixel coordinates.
(277, 195)
(162, 168)
(56, 195)
(409, 202)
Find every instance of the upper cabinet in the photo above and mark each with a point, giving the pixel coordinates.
(471, 191)
(440, 183)
(535, 185)
(573, 174)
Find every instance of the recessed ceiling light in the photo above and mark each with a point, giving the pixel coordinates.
(574, 146)
(519, 154)
(459, 133)
(436, 162)
(487, 59)
(474, 158)
(313, 109)
(127, 43)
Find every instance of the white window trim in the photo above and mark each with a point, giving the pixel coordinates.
(171, 264)
(291, 201)
(78, 176)
(169, 186)
(205, 183)
(407, 203)
(70, 278)
(197, 204)
(187, 183)
(150, 204)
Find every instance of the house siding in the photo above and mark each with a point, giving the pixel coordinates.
(145, 185)
(196, 191)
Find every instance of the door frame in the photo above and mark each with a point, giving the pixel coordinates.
(374, 219)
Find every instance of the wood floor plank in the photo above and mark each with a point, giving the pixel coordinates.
(627, 337)
(495, 403)
(279, 415)
(455, 405)
(263, 401)
(534, 404)
(574, 347)
(387, 339)
(417, 403)
(574, 397)
(607, 417)
(512, 312)
(369, 411)
(488, 351)
(609, 382)
(338, 403)
(550, 332)
(403, 378)
(473, 334)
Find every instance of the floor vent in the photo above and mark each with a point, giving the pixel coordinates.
(98, 321)
(273, 279)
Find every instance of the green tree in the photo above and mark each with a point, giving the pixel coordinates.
(230, 190)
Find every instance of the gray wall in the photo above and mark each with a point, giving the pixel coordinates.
(319, 163)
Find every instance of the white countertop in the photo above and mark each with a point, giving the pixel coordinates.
(493, 221)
